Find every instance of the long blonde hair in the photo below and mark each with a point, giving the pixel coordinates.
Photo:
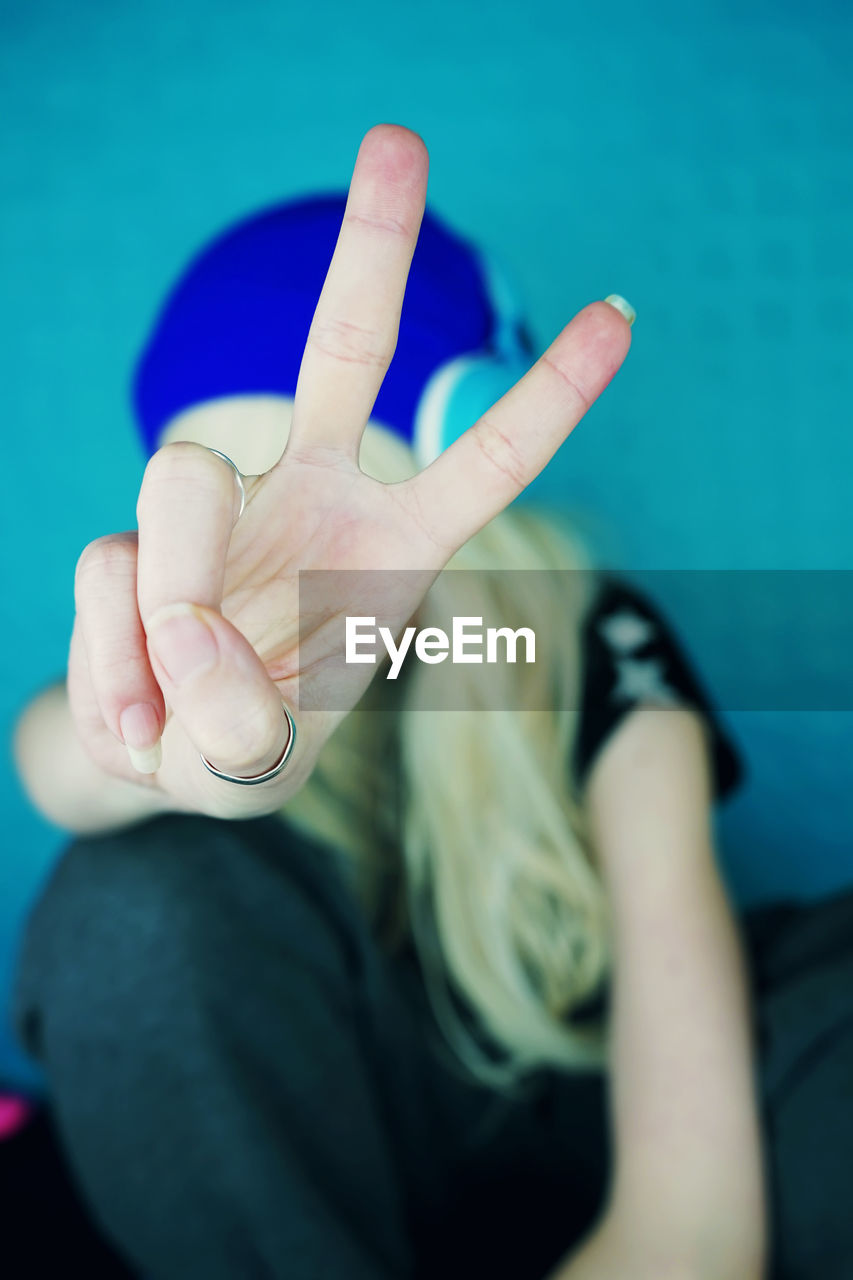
(461, 828)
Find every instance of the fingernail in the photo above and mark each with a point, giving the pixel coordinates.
(140, 730)
(622, 306)
(182, 641)
(146, 761)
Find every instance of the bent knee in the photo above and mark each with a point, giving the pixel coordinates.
(137, 933)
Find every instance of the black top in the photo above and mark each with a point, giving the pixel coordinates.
(631, 656)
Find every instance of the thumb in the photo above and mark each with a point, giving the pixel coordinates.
(218, 688)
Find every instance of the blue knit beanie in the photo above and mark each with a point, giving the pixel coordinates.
(237, 320)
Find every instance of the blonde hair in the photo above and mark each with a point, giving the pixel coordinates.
(461, 829)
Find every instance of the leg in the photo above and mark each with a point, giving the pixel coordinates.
(802, 960)
(188, 985)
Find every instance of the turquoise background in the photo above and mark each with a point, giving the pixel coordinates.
(695, 158)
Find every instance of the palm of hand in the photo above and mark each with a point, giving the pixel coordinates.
(323, 517)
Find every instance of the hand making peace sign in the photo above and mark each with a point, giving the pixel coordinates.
(220, 693)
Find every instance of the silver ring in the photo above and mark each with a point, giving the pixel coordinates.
(261, 777)
(237, 473)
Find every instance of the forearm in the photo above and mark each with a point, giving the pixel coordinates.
(687, 1189)
(63, 782)
(686, 1199)
(687, 1159)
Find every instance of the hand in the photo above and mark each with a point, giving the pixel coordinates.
(314, 509)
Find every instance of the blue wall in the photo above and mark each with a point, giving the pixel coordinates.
(695, 158)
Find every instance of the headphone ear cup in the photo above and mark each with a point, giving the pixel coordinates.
(457, 395)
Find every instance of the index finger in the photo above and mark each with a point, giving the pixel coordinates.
(354, 330)
(488, 466)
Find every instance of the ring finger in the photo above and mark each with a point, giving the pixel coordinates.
(111, 635)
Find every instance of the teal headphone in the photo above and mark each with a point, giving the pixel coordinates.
(460, 391)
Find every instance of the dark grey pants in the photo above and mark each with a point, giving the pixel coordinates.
(245, 1086)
